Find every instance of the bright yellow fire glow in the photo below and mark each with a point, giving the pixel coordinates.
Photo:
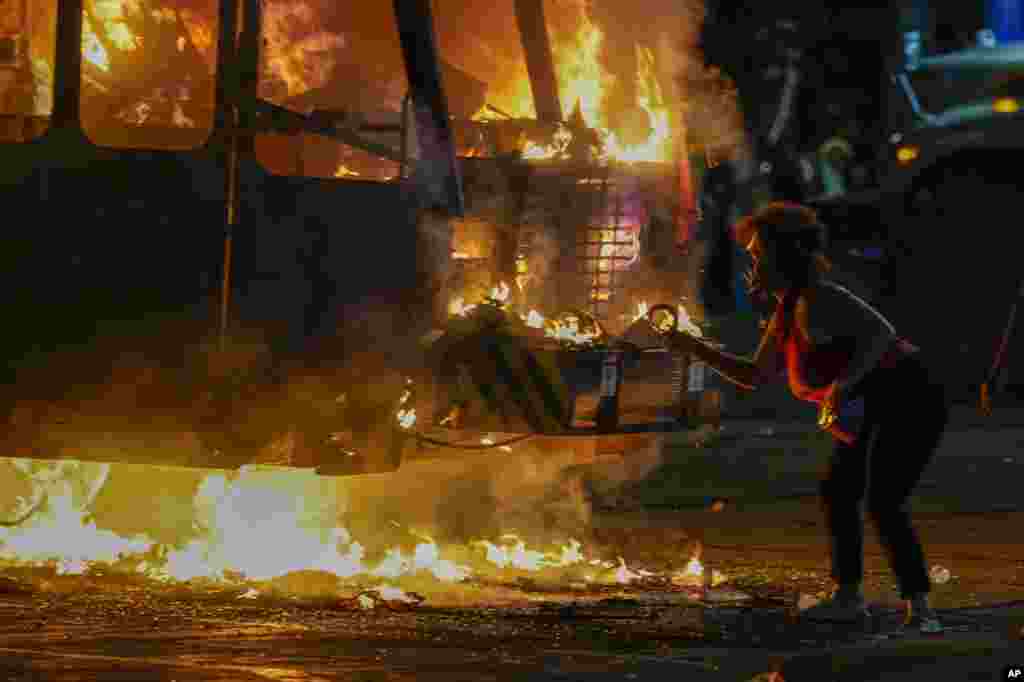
(458, 307)
(641, 311)
(685, 323)
(535, 320)
(111, 15)
(584, 82)
(514, 554)
(237, 513)
(649, 98)
(345, 172)
(407, 418)
(501, 292)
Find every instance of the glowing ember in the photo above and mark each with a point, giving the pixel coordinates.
(534, 319)
(390, 593)
(385, 594)
(623, 575)
(345, 172)
(458, 255)
(559, 147)
(567, 329)
(570, 554)
(523, 276)
(179, 118)
(407, 418)
(458, 307)
(518, 556)
(500, 293)
(453, 416)
(685, 322)
(693, 574)
(641, 311)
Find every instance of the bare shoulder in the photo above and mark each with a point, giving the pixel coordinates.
(818, 313)
(838, 311)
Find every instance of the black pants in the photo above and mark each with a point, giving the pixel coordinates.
(906, 413)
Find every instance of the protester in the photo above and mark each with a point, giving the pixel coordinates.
(834, 348)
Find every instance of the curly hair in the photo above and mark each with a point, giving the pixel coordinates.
(796, 233)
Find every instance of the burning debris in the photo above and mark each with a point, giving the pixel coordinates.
(572, 330)
(147, 63)
(235, 516)
(388, 596)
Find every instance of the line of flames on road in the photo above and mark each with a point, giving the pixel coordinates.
(265, 523)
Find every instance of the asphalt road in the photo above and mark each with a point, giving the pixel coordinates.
(101, 628)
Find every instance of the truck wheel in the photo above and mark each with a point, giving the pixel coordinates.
(959, 275)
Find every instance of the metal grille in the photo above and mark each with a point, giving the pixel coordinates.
(598, 248)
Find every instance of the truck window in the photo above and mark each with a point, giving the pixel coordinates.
(484, 75)
(28, 31)
(344, 64)
(148, 72)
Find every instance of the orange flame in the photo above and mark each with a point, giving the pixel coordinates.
(301, 63)
(111, 15)
(237, 513)
(345, 172)
(583, 81)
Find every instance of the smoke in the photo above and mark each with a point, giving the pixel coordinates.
(708, 109)
(610, 477)
(542, 260)
(541, 492)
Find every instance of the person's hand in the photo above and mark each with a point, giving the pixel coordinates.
(834, 399)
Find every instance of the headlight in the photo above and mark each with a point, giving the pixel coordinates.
(1006, 105)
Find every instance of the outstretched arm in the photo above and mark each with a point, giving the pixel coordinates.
(745, 373)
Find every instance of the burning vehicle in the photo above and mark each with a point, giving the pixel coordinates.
(264, 241)
(286, 242)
